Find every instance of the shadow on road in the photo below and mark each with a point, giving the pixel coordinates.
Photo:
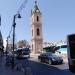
(42, 69)
(37, 68)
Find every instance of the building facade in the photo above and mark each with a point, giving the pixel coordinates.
(36, 29)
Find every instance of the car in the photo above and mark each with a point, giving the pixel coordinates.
(50, 58)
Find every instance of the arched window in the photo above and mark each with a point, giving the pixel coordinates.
(32, 32)
(32, 47)
(37, 18)
(38, 33)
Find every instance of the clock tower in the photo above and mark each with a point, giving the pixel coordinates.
(36, 30)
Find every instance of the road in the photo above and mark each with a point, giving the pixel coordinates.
(38, 68)
(7, 70)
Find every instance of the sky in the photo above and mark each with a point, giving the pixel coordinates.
(58, 18)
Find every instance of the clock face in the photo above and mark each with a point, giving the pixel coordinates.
(37, 10)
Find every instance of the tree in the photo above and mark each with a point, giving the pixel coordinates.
(23, 43)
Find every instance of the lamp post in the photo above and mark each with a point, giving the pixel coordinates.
(14, 25)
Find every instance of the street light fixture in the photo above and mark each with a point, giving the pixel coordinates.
(14, 25)
(19, 16)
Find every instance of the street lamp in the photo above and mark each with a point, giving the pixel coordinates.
(14, 25)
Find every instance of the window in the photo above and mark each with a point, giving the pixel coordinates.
(38, 33)
(32, 46)
(37, 18)
(32, 32)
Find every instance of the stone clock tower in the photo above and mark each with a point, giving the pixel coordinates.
(36, 30)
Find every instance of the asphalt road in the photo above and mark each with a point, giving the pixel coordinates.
(38, 68)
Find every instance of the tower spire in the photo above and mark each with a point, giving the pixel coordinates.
(35, 8)
(35, 2)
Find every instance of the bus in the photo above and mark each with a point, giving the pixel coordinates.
(23, 53)
(51, 49)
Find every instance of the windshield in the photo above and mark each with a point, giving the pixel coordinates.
(54, 55)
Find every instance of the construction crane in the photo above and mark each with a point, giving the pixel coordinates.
(19, 10)
(22, 6)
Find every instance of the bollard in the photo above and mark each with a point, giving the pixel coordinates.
(28, 71)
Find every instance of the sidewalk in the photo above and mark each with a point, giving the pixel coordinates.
(34, 57)
(6, 70)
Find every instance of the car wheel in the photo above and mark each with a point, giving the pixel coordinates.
(50, 62)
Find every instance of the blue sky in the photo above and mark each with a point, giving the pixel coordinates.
(58, 18)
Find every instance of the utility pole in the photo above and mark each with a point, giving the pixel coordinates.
(14, 25)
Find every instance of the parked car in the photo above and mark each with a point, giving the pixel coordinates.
(50, 58)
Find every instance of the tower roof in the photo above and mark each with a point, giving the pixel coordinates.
(35, 8)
